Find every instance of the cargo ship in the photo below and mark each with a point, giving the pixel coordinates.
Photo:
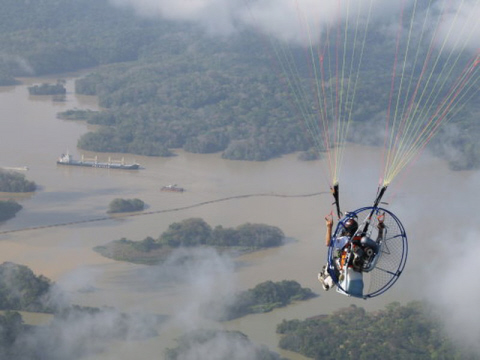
(67, 159)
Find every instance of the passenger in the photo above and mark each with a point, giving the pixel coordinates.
(365, 244)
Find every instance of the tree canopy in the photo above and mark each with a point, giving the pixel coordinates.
(165, 85)
(14, 182)
(48, 89)
(412, 331)
(21, 289)
(262, 298)
(193, 232)
(8, 209)
(125, 205)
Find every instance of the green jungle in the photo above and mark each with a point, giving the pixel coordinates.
(165, 85)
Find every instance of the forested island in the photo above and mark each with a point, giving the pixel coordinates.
(165, 85)
(262, 298)
(218, 344)
(48, 89)
(125, 205)
(8, 209)
(73, 332)
(193, 232)
(74, 114)
(21, 289)
(14, 182)
(411, 331)
(400, 332)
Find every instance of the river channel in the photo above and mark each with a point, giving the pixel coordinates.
(432, 202)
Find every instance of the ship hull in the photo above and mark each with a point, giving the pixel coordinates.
(100, 165)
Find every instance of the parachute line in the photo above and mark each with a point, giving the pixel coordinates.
(435, 98)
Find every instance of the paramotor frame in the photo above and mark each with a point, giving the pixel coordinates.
(381, 267)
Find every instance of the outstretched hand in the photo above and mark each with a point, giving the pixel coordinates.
(329, 220)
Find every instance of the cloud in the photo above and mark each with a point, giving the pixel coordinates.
(76, 333)
(81, 279)
(285, 19)
(216, 16)
(200, 275)
(453, 287)
(296, 20)
(458, 25)
(219, 345)
(17, 62)
(207, 276)
(443, 264)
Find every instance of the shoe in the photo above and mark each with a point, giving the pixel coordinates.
(322, 281)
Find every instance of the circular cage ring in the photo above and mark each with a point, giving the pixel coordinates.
(390, 253)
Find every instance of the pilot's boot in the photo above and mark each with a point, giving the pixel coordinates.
(325, 279)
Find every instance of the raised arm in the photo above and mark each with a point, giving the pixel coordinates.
(328, 233)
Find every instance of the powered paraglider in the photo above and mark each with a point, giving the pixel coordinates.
(344, 83)
(374, 258)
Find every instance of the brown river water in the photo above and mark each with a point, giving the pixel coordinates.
(433, 202)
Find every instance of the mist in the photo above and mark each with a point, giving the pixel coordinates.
(456, 294)
(459, 26)
(291, 20)
(443, 246)
(284, 19)
(78, 334)
(203, 275)
(17, 62)
(200, 275)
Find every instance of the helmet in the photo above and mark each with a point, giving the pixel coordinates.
(351, 226)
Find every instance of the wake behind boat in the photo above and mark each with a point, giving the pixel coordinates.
(67, 159)
(13, 168)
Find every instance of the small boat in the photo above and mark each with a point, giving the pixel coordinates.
(172, 188)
